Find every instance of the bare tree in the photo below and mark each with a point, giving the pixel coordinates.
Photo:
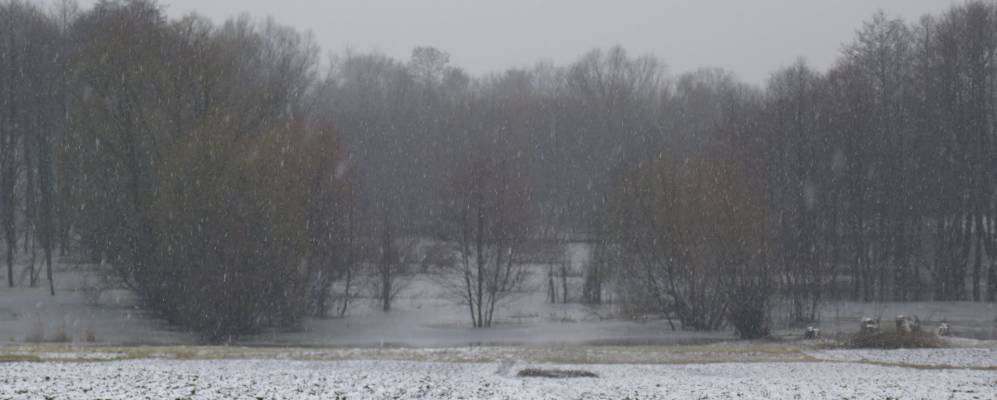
(793, 109)
(490, 224)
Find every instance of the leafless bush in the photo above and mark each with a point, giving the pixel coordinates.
(391, 268)
(689, 239)
(596, 275)
(89, 334)
(60, 335)
(558, 271)
(438, 255)
(91, 286)
(216, 229)
(490, 223)
(37, 332)
(749, 301)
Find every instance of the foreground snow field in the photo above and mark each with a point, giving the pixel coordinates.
(282, 379)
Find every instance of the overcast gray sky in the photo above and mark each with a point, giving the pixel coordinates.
(750, 37)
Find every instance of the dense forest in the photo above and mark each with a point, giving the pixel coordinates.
(231, 177)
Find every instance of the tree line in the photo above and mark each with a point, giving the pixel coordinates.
(230, 181)
(872, 181)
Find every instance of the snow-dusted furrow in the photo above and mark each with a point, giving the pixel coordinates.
(278, 379)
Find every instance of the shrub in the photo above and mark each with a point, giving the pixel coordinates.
(231, 240)
(89, 334)
(234, 242)
(693, 241)
(748, 308)
(60, 336)
(90, 288)
(224, 248)
(37, 332)
(206, 198)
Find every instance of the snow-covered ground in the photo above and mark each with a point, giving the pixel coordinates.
(116, 318)
(968, 319)
(771, 370)
(281, 379)
(425, 348)
(928, 358)
(426, 315)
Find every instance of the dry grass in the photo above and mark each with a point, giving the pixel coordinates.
(894, 340)
(555, 373)
(13, 358)
(648, 354)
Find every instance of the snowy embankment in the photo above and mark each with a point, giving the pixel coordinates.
(268, 379)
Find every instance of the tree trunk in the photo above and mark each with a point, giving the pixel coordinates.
(48, 271)
(551, 288)
(564, 284)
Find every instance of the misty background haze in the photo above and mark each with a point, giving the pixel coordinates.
(182, 162)
(750, 38)
(469, 199)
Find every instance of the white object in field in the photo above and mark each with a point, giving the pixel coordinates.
(811, 333)
(869, 325)
(906, 324)
(943, 329)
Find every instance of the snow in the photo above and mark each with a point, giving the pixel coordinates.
(424, 348)
(422, 315)
(116, 319)
(974, 320)
(425, 315)
(281, 379)
(937, 358)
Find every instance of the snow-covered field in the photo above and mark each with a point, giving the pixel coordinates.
(424, 315)
(733, 370)
(281, 379)
(424, 348)
(929, 358)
